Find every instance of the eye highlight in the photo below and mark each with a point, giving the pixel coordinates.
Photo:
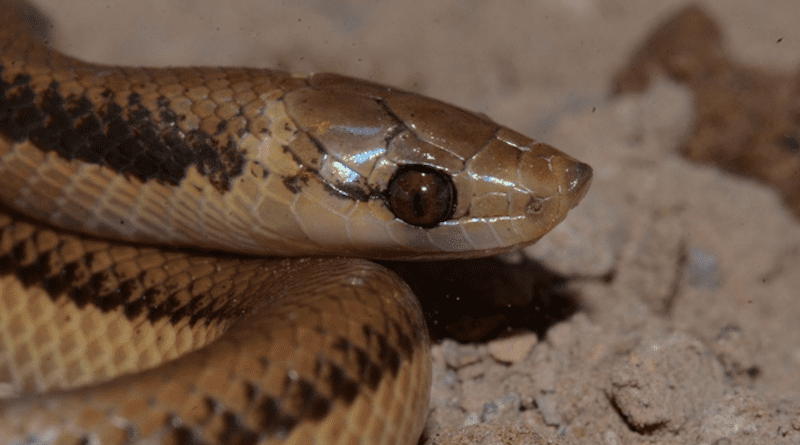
(421, 196)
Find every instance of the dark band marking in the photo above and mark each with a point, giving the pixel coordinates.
(107, 290)
(344, 388)
(103, 289)
(131, 141)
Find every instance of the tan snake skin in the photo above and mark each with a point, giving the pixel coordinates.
(136, 202)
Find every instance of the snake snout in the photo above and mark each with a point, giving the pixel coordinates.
(578, 179)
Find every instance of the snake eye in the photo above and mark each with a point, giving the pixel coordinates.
(421, 196)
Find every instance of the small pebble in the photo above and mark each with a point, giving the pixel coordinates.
(513, 348)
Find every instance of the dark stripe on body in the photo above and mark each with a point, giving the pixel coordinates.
(130, 141)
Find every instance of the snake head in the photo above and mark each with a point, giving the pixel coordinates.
(427, 179)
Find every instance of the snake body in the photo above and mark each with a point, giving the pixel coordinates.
(172, 243)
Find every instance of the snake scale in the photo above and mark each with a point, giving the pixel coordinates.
(184, 251)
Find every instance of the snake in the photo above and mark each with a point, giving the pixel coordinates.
(185, 252)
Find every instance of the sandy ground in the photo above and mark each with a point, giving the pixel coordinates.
(685, 328)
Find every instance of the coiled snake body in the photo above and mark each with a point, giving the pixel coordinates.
(171, 243)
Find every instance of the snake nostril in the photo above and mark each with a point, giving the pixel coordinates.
(534, 206)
